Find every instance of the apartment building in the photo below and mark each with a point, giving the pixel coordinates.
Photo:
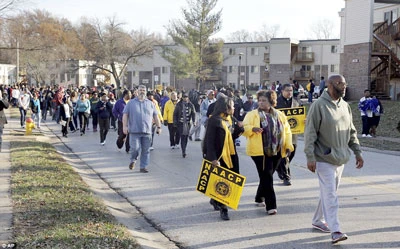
(247, 64)
(8, 74)
(370, 48)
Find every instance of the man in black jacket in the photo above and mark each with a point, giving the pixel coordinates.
(286, 100)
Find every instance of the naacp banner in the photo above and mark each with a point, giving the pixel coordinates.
(296, 117)
(221, 184)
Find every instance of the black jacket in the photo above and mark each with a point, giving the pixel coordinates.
(106, 112)
(178, 112)
(214, 141)
(3, 105)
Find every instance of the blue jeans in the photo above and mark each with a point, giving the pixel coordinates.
(140, 141)
(22, 112)
(309, 97)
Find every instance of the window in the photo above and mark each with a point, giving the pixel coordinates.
(254, 69)
(254, 51)
(164, 69)
(334, 68)
(232, 51)
(133, 73)
(334, 49)
(230, 69)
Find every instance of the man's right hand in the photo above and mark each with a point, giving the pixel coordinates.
(166, 123)
(312, 166)
(125, 130)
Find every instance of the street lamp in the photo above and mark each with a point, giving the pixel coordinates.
(240, 69)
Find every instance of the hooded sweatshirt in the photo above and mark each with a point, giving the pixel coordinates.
(330, 133)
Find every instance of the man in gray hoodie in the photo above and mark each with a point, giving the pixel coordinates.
(328, 138)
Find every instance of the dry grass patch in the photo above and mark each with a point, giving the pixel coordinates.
(54, 208)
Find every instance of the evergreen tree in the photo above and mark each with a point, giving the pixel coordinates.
(195, 53)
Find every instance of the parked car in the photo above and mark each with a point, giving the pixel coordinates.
(302, 92)
(316, 92)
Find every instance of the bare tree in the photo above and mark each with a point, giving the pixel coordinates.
(323, 29)
(266, 33)
(9, 5)
(240, 36)
(112, 47)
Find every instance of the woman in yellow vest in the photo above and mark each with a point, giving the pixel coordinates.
(269, 139)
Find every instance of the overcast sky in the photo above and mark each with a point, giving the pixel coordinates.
(294, 16)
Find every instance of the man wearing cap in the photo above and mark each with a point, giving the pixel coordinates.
(184, 113)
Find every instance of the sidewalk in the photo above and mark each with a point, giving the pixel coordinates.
(147, 236)
(5, 196)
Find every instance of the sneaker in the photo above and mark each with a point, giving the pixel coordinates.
(144, 170)
(322, 226)
(177, 146)
(260, 202)
(224, 214)
(214, 204)
(272, 212)
(338, 236)
(184, 155)
(102, 143)
(197, 139)
(151, 148)
(172, 147)
(190, 138)
(132, 165)
(287, 182)
(364, 135)
(369, 135)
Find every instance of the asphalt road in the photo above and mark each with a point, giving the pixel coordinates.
(167, 197)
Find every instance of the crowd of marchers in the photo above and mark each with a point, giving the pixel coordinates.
(227, 117)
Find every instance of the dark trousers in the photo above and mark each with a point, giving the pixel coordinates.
(184, 136)
(64, 128)
(266, 167)
(173, 135)
(365, 124)
(104, 124)
(95, 119)
(83, 120)
(283, 169)
(122, 137)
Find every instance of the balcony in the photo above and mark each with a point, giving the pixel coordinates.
(266, 57)
(265, 75)
(303, 75)
(304, 57)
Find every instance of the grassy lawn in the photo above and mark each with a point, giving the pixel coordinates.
(54, 208)
(386, 129)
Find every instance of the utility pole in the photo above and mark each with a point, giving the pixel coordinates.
(17, 61)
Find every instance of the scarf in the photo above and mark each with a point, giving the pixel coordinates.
(229, 147)
(272, 132)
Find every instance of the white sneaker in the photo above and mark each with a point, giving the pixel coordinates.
(151, 148)
(369, 135)
(172, 147)
(364, 135)
(177, 146)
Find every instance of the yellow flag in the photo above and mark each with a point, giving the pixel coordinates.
(296, 117)
(221, 184)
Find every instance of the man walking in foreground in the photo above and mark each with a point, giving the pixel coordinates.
(137, 121)
(328, 136)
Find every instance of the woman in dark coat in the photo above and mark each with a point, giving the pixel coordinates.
(219, 146)
(3, 119)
